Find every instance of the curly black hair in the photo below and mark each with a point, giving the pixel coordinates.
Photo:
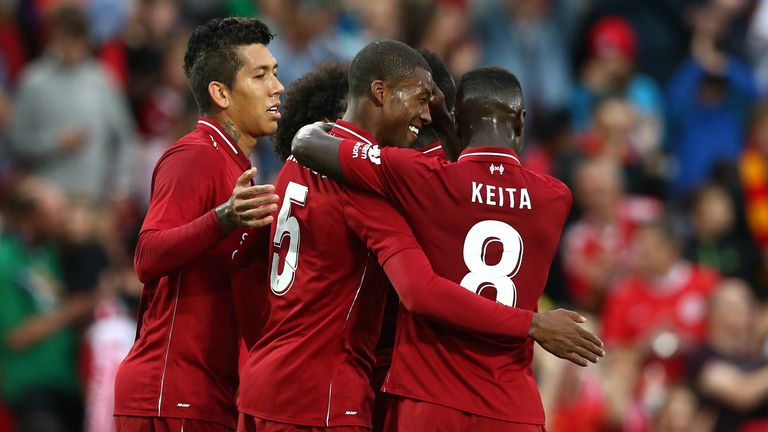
(212, 56)
(318, 95)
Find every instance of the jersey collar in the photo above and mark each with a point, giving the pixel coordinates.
(490, 154)
(221, 139)
(347, 130)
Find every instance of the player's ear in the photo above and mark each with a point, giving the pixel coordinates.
(219, 94)
(378, 91)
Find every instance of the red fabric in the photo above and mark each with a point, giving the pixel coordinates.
(409, 415)
(252, 424)
(587, 242)
(184, 361)
(613, 35)
(435, 150)
(112, 55)
(313, 364)
(156, 424)
(6, 421)
(14, 54)
(488, 192)
(427, 295)
(636, 309)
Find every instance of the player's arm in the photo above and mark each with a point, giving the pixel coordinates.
(250, 282)
(318, 151)
(180, 225)
(424, 293)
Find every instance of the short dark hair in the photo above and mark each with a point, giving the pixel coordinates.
(212, 56)
(321, 93)
(491, 83)
(71, 21)
(387, 60)
(441, 76)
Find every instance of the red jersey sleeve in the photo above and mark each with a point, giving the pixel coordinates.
(181, 223)
(421, 291)
(373, 169)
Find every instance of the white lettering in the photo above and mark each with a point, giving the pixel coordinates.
(490, 195)
(525, 199)
(476, 192)
(494, 196)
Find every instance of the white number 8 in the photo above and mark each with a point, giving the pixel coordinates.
(287, 225)
(481, 275)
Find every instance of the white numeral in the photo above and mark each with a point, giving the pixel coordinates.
(481, 275)
(287, 225)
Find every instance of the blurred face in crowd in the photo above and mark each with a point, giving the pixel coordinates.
(614, 122)
(655, 253)
(713, 214)
(732, 309)
(405, 109)
(254, 98)
(70, 49)
(599, 188)
(759, 128)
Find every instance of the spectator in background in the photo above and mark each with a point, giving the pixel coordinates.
(651, 321)
(613, 134)
(609, 69)
(38, 348)
(596, 249)
(753, 168)
(69, 124)
(709, 99)
(529, 38)
(714, 241)
(729, 371)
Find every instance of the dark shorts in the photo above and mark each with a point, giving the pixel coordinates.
(248, 423)
(165, 424)
(409, 415)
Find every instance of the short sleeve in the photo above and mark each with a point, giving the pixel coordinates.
(183, 187)
(384, 231)
(382, 171)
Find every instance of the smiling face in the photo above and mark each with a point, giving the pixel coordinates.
(254, 99)
(406, 109)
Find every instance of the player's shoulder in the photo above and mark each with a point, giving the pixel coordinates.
(196, 149)
(546, 184)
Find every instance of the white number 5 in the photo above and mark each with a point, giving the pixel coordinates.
(481, 275)
(287, 225)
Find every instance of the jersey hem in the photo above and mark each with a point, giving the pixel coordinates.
(399, 393)
(311, 423)
(231, 424)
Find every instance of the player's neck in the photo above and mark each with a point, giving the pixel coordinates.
(489, 139)
(245, 143)
(358, 115)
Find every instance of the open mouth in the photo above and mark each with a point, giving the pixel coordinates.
(414, 130)
(274, 111)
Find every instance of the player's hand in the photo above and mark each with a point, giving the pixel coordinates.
(249, 206)
(437, 107)
(560, 332)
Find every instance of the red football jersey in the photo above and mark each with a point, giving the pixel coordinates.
(314, 362)
(473, 219)
(184, 361)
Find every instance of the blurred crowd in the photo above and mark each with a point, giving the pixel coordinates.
(654, 112)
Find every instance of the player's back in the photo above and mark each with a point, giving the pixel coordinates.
(493, 226)
(313, 364)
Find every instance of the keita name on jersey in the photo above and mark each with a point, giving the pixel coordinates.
(515, 198)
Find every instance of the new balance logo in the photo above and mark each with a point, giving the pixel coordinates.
(499, 169)
(182, 405)
(350, 413)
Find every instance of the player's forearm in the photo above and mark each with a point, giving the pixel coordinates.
(160, 252)
(318, 151)
(424, 293)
